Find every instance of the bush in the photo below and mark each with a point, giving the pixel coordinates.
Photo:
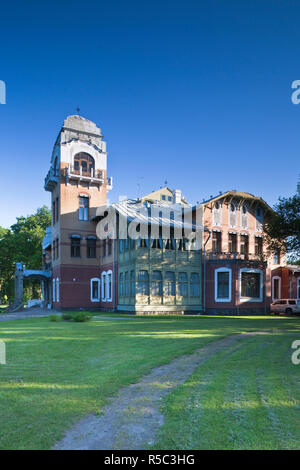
(54, 318)
(67, 316)
(81, 317)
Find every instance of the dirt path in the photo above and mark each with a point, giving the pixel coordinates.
(132, 418)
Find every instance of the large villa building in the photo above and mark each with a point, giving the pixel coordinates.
(226, 270)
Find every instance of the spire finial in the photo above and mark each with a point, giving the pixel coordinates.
(78, 110)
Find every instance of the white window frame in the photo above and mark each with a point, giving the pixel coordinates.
(223, 270)
(53, 290)
(95, 279)
(251, 299)
(279, 287)
(103, 286)
(57, 289)
(109, 273)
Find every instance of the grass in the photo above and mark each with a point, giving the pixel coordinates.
(58, 372)
(245, 398)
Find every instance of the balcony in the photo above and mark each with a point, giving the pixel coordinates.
(52, 179)
(89, 175)
(215, 256)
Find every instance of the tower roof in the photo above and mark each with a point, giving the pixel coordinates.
(81, 124)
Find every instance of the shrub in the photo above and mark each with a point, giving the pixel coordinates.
(81, 316)
(54, 318)
(67, 316)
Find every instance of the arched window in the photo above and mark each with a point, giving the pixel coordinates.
(217, 214)
(95, 289)
(156, 286)
(232, 215)
(170, 285)
(143, 282)
(84, 163)
(182, 284)
(244, 217)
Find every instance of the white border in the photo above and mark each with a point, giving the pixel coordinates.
(103, 286)
(109, 299)
(251, 299)
(223, 270)
(91, 286)
(279, 289)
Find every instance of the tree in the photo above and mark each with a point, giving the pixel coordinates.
(282, 230)
(22, 243)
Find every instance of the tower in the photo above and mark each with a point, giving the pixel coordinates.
(78, 183)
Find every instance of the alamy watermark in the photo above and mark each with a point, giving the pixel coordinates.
(296, 354)
(2, 92)
(2, 353)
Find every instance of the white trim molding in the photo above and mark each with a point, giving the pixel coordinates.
(103, 286)
(109, 274)
(96, 299)
(57, 289)
(53, 290)
(251, 299)
(279, 288)
(223, 270)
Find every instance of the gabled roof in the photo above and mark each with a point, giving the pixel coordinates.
(242, 196)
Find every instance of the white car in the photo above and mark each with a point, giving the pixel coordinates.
(288, 306)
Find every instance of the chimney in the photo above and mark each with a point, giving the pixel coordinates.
(176, 196)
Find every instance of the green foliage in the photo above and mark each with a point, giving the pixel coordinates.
(22, 243)
(67, 316)
(282, 230)
(81, 317)
(54, 317)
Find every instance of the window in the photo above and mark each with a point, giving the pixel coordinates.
(126, 284)
(156, 286)
(276, 287)
(223, 285)
(244, 244)
(83, 208)
(232, 215)
(132, 283)
(84, 163)
(258, 246)
(251, 284)
(169, 198)
(276, 257)
(244, 217)
(53, 290)
(95, 290)
(121, 284)
(143, 282)
(195, 285)
(259, 219)
(163, 197)
(103, 285)
(57, 289)
(217, 214)
(75, 247)
(232, 242)
(170, 283)
(91, 247)
(121, 246)
(109, 286)
(109, 246)
(183, 284)
(217, 241)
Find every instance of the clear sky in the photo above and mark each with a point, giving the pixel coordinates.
(197, 93)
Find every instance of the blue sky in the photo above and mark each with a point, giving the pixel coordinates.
(195, 93)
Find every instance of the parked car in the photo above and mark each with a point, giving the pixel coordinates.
(288, 306)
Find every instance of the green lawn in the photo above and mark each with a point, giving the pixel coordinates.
(58, 372)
